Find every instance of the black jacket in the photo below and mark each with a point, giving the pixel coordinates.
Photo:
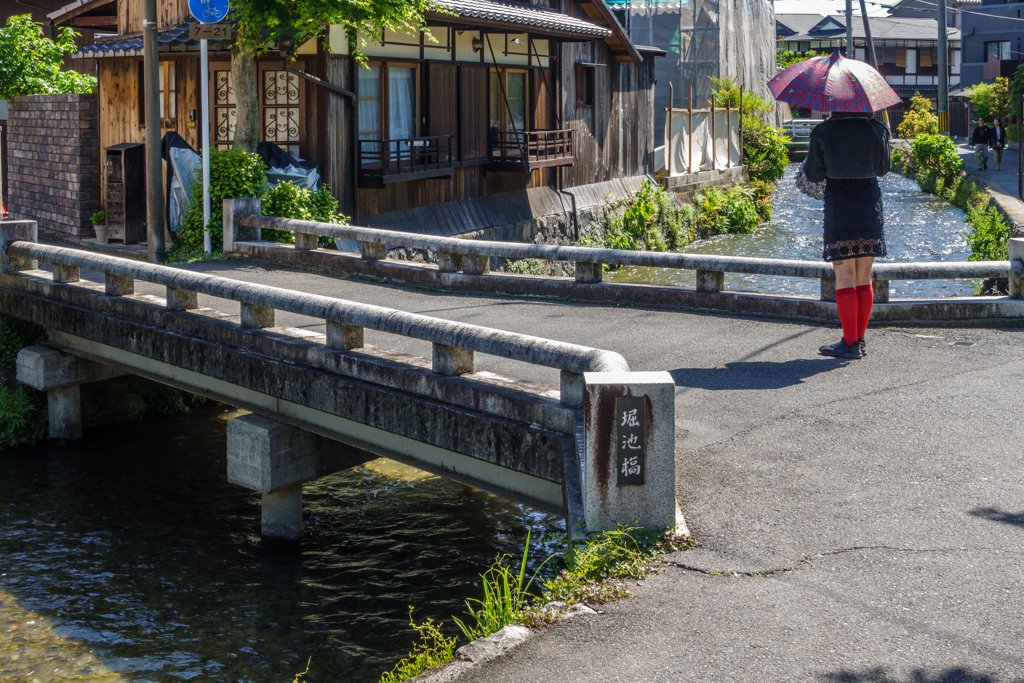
(848, 147)
(982, 135)
(998, 139)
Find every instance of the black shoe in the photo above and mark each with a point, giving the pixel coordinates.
(841, 350)
(985, 167)
(863, 347)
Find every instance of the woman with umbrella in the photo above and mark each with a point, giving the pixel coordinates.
(849, 151)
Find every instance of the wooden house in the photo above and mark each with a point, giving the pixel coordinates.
(500, 97)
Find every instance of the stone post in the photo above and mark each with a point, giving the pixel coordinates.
(60, 375)
(589, 273)
(1016, 288)
(710, 280)
(629, 458)
(16, 231)
(233, 232)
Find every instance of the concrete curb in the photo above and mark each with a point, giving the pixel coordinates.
(483, 650)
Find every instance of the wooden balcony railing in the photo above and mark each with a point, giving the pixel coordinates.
(529, 150)
(387, 161)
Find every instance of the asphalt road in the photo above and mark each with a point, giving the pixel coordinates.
(857, 520)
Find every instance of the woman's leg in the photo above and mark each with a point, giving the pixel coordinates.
(865, 293)
(846, 298)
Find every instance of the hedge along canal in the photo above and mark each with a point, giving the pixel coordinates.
(129, 557)
(918, 227)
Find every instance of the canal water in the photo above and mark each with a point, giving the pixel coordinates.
(918, 227)
(130, 558)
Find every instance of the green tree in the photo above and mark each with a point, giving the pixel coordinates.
(990, 100)
(1016, 90)
(30, 63)
(291, 23)
(787, 58)
(919, 120)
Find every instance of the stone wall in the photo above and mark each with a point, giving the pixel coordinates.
(53, 161)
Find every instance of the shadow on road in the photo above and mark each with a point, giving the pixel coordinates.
(996, 515)
(957, 675)
(746, 375)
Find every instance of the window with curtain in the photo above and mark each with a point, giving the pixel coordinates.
(370, 103)
(401, 102)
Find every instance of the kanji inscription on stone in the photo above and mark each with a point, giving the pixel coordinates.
(630, 446)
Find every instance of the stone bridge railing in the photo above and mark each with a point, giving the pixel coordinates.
(472, 257)
(512, 424)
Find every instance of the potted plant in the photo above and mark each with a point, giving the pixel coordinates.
(99, 225)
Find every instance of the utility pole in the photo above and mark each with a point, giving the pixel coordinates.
(942, 104)
(867, 36)
(851, 53)
(154, 169)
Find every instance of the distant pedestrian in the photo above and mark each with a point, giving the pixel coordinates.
(851, 150)
(981, 138)
(998, 141)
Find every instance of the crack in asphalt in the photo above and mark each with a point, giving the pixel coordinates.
(826, 553)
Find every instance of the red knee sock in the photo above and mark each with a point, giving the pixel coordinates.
(865, 298)
(846, 302)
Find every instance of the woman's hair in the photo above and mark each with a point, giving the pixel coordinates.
(851, 114)
(997, 119)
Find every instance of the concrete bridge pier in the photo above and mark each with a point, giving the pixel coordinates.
(275, 458)
(61, 375)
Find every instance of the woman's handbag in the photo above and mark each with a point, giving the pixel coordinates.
(812, 190)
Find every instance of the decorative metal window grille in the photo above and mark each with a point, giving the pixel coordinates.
(224, 110)
(280, 99)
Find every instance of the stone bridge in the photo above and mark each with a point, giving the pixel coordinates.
(326, 401)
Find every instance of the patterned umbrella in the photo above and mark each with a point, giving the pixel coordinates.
(833, 83)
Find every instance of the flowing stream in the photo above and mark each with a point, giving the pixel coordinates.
(918, 227)
(130, 558)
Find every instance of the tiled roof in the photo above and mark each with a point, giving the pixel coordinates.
(525, 16)
(173, 39)
(882, 28)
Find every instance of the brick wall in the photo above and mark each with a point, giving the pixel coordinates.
(53, 161)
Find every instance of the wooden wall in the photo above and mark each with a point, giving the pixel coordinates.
(169, 13)
(614, 138)
(118, 90)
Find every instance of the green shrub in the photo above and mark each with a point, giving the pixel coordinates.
(764, 150)
(721, 212)
(98, 218)
(238, 174)
(653, 219)
(989, 238)
(234, 174)
(527, 266)
(937, 154)
(433, 649)
(919, 120)
(23, 416)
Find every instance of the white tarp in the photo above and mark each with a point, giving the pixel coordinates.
(726, 150)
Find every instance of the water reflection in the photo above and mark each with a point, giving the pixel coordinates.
(918, 227)
(137, 550)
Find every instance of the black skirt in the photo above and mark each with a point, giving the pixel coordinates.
(853, 219)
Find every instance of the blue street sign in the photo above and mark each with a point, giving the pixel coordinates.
(208, 11)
